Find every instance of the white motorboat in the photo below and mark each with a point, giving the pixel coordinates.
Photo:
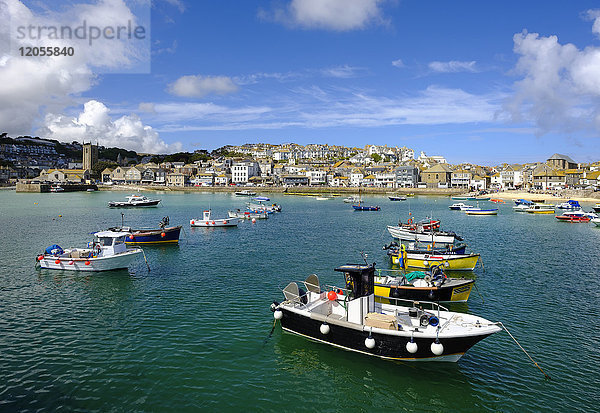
(570, 205)
(350, 318)
(521, 207)
(540, 209)
(260, 207)
(207, 221)
(56, 188)
(460, 206)
(439, 237)
(596, 221)
(107, 252)
(134, 201)
(247, 214)
(351, 199)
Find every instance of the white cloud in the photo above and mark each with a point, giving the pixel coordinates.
(32, 86)
(560, 88)
(338, 15)
(199, 86)
(398, 63)
(343, 72)
(317, 108)
(453, 66)
(95, 124)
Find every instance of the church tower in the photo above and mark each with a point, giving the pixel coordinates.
(90, 155)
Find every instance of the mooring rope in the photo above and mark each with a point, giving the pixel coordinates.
(526, 353)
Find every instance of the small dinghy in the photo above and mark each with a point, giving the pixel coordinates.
(207, 221)
(481, 211)
(351, 319)
(107, 252)
(134, 201)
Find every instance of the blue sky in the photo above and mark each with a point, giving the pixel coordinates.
(483, 82)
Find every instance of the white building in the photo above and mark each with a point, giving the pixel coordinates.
(316, 177)
(244, 170)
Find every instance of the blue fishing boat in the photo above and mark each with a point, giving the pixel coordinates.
(523, 202)
(361, 207)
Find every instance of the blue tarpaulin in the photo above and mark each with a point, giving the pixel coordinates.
(54, 249)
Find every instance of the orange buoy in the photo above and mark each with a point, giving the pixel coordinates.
(162, 234)
(331, 295)
(192, 222)
(41, 257)
(71, 262)
(57, 261)
(213, 222)
(131, 237)
(87, 263)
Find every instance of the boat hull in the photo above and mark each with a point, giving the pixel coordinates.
(133, 205)
(572, 218)
(214, 223)
(447, 293)
(406, 235)
(391, 347)
(452, 262)
(154, 236)
(481, 212)
(115, 262)
(365, 208)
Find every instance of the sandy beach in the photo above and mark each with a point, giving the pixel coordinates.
(548, 197)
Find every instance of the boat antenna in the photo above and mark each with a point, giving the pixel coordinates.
(365, 256)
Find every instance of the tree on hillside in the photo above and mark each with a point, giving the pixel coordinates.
(100, 166)
(376, 157)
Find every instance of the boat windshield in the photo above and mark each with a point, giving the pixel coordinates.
(105, 242)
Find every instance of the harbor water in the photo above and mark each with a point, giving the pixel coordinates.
(193, 333)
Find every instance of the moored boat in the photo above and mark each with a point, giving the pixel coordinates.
(208, 222)
(164, 234)
(570, 205)
(540, 209)
(573, 218)
(247, 214)
(421, 235)
(134, 201)
(351, 319)
(362, 207)
(245, 192)
(351, 199)
(596, 221)
(481, 211)
(397, 198)
(56, 188)
(450, 258)
(422, 286)
(459, 206)
(596, 207)
(107, 252)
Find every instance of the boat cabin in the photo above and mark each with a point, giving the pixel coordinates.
(360, 280)
(110, 242)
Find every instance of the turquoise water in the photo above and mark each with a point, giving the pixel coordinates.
(193, 332)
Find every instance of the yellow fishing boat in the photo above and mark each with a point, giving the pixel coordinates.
(540, 209)
(450, 260)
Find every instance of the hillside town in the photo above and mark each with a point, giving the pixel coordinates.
(35, 160)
